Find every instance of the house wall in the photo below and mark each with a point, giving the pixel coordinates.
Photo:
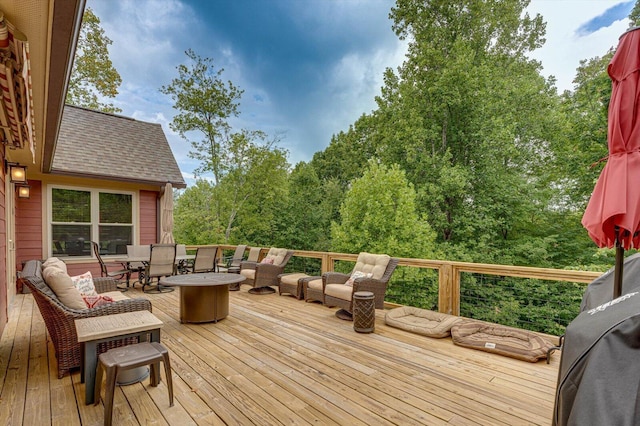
(149, 230)
(29, 225)
(31, 222)
(4, 307)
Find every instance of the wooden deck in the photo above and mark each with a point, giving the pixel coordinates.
(278, 360)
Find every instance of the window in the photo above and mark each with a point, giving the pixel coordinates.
(79, 216)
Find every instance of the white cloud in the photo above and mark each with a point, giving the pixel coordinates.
(150, 37)
(561, 54)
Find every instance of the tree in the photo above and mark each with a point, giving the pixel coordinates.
(195, 221)
(250, 195)
(379, 215)
(469, 118)
(204, 103)
(93, 74)
(634, 16)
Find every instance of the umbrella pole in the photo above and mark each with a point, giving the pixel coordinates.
(617, 277)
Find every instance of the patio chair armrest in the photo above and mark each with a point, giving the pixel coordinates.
(226, 261)
(118, 307)
(245, 264)
(105, 284)
(334, 278)
(267, 268)
(377, 287)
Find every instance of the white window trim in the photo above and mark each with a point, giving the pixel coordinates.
(95, 213)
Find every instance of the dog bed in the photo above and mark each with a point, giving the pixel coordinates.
(500, 339)
(421, 321)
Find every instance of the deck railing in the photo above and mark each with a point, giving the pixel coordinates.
(443, 281)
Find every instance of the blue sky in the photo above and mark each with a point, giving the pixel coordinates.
(308, 68)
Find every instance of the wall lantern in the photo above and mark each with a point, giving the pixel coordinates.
(17, 173)
(24, 191)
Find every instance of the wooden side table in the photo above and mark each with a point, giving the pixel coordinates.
(95, 330)
(364, 312)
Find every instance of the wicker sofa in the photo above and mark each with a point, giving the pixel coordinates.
(59, 319)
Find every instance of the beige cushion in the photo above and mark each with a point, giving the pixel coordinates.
(315, 284)
(292, 279)
(375, 264)
(248, 273)
(339, 291)
(277, 254)
(61, 284)
(421, 321)
(116, 295)
(54, 261)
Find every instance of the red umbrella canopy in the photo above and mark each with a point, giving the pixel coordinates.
(615, 202)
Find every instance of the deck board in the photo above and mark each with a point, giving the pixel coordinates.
(277, 360)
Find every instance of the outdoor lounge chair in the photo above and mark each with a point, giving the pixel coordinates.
(60, 319)
(161, 264)
(121, 272)
(264, 274)
(205, 260)
(232, 263)
(371, 273)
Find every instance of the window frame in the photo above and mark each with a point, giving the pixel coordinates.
(94, 215)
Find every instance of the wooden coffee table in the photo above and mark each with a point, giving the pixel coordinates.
(95, 330)
(203, 297)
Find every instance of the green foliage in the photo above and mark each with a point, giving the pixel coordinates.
(204, 103)
(379, 215)
(93, 73)
(195, 220)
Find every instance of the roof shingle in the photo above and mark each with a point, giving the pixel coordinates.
(108, 146)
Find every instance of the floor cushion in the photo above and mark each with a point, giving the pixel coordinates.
(421, 321)
(500, 339)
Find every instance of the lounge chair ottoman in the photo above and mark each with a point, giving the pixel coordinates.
(501, 339)
(421, 321)
(312, 289)
(291, 283)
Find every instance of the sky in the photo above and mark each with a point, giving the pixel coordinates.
(308, 68)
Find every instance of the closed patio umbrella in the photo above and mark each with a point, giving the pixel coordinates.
(166, 220)
(612, 216)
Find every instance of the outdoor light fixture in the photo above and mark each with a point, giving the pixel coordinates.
(17, 173)
(24, 191)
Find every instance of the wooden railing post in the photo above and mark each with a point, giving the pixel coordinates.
(327, 264)
(445, 288)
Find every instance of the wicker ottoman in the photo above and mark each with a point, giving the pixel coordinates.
(291, 283)
(312, 289)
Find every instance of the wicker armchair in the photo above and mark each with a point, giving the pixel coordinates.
(336, 293)
(261, 276)
(59, 319)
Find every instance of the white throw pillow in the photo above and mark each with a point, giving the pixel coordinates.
(357, 274)
(84, 284)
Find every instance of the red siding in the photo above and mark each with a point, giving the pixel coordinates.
(149, 233)
(3, 257)
(29, 225)
(29, 233)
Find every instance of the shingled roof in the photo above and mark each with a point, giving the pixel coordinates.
(108, 146)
